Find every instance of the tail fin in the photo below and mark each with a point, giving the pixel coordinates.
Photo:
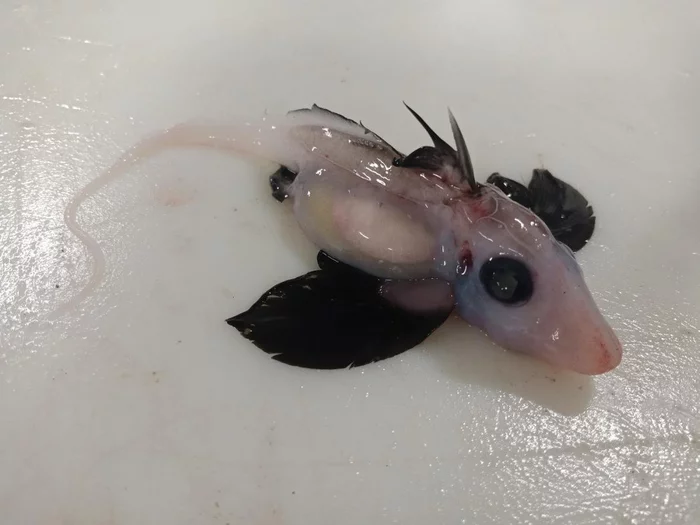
(266, 141)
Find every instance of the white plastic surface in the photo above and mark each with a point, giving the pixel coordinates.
(143, 407)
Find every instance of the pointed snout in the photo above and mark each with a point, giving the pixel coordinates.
(572, 335)
(595, 351)
(578, 336)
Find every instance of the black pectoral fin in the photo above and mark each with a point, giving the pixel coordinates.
(332, 318)
(566, 212)
(513, 190)
(559, 205)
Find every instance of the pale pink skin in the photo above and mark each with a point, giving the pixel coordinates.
(412, 224)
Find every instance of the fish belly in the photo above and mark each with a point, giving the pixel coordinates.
(363, 226)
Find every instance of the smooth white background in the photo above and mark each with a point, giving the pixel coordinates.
(142, 406)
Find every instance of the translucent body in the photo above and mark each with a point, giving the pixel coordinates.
(413, 223)
(354, 204)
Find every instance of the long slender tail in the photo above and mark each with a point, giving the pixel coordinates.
(265, 141)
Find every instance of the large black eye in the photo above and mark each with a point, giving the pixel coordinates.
(507, 280)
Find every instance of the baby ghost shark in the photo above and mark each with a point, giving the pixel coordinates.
(406, 241)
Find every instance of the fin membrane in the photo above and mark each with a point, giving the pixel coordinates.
(360, 128)
(513, 190)
(561, 207)
(442, 155)
(332, 318)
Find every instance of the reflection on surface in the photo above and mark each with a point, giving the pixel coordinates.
(466, 356)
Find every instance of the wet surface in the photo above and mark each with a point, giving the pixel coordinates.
(142, 405)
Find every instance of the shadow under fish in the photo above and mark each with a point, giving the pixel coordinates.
(339, 316)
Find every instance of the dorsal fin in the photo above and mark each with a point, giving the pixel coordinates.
(460, 155)
(465, 161)
(345, 124)
(440, 144)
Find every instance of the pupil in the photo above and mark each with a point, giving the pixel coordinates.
(507, 280)
(504, 284)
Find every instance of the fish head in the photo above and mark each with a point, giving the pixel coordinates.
(525, 289)
(515, 280)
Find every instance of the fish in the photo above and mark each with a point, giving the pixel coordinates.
(405, 241)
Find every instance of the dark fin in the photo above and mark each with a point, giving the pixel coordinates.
(465, 161)
(426, 157)
(439, 143)
(329, 263)
(332, 318)
(280, 182)
(559, 205)
(565, 211)
(315, 108)
(442, 156)
(513, 190)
